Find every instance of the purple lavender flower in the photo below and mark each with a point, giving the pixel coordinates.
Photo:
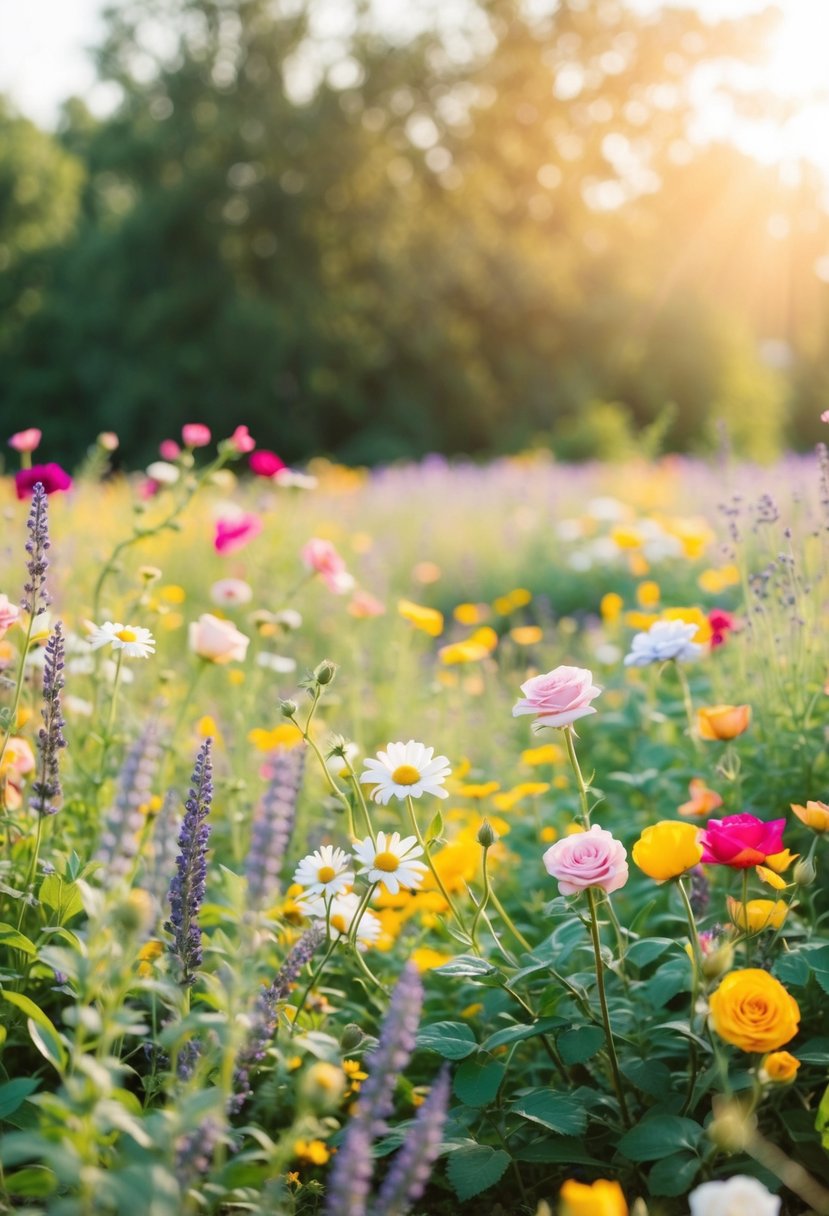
(35, 596)
(188, 886)
(273, 824)
(119, 839)
(349, 1183)
(407, 1178)
(46, 790)
(194, 1152)
(393, 1050)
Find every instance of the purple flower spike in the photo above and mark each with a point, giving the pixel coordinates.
(393, 1050)
(407, 1178)
(35, 596)
(188, 886)
(46, 790)
(273, 823)
(350, 1181)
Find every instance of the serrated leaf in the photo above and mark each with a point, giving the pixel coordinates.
(791, 969)
(561, 1113)
(478, 1080)
(452, 1040)
(516, 1034)
(656, 1138)
(580, 1044)
(674, 1175)
(476, 1168)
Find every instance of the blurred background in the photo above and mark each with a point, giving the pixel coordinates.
(374, 229)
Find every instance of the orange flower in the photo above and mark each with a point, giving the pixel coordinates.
(780, 862)
(723, 721)
(702, 802)
(599, 1198)
(814, 814)
(752, 1010)
(780, 1067)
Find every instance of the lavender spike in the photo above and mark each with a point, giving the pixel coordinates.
(188, 886)
(35, 595)
(407, 1178)
(160, 858)
(391, 1055)
(349, 1183)
(46, 791)
(273, 824)
(119, 839)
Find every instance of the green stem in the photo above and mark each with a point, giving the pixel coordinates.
(484, 900)
(749, 935)
(32, 870)
(577, 773)
(330, 782)
(312, 982)
(499, 908)
(367, 972)
(18, 687)
(695, 982)
(358, 790)
(108, 729)
(433, 868)
(688, 702)
(611, 1048)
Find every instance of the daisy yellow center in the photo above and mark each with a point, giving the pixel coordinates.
(405, 774)
(387, 862)
(326, 873)
(126, 635)
(338, 923)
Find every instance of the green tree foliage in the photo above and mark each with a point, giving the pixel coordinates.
(377, 247)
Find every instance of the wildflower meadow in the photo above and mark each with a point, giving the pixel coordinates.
(445, 838)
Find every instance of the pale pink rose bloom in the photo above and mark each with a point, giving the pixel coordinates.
(242, 441)
(588, 859)
(9, 614)
(26, 441)
(235, 532)
(559, 697)
(169, 449)
(321, 557)
(195, 435)
(825, 416)
(216, 640)
(229, 591)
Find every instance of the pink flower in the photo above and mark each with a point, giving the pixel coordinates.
(588, 859)
(559, 697)
(265, 464)
(228, 592)
(169, 449)
(52, 476)
(825, 416)
(235, 533)
(721, 623)
(26, 441)
(242, 441)
(109, 441)
(217, 641)
(741, 841)
(195, 435)
(9, 614)
(363, 604)
(321, 557)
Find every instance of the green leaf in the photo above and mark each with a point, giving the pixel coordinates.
(475, 1168)
(452, 1040)
(819, 964)
(435, 828)
(561, 1150)
(48, 1042)
(61, 897)
(791, 969)
(580, 1044)
(520, 1031)
(466, 965)
(814, 1051)
(14, 1093)
(478, 1080)
(12, 939)
(647, 950)
(33, 1182)
(656, 1138)
(560, 1113)
(671, 978)
(674, 1175)
(650, 1076)
(822, 1118)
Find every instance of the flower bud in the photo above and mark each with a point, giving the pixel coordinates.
(732, 1128)
(325, 672)
(805, 873)
(719, 961)
(351, 1037)
(288, 708)
(486, 835)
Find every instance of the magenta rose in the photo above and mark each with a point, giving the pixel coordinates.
(559, 697)
(265, 463)
(587, 859)
(236, 532)
(51, 476)
(741, 840)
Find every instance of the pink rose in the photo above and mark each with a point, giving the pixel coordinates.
(266, 464)
(169, 449)
(242, 441)
(51, 476)
(559, 697)
(26, 441)
(216, 640)
(9, 614)
(741, 841)
(235, 533)
(321, 557)
(195, 435)
(588, 859)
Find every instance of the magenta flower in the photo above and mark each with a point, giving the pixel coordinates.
(51, 476)
(195, 435)
(559, 697)
(236, 532)
(587, 859)
(265, 463)
(322, 558)
(741, 841)
(169, 449)
(26, 441)
(242, 440)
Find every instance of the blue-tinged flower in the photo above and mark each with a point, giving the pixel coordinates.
(273, 823)
(35, 596)
(663, 641)
(46, 789)
(188, 886)
(126, 817)
(410, 1170)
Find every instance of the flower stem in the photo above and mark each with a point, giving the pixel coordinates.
(500, 909)
(577, 773)
(433, 868)
(611, 1048)
(484, 900)
(688, 702)
(749, 935)
(312, 982)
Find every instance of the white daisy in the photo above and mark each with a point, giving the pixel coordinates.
(343, 909)
(135, 641)
(391, 860)
(324, 872)
(406, 770)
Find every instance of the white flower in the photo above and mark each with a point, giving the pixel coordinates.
(341, 918)
(294, 480)
(739, 1196)
(664, 640)
(406, 770)
(337, 764)
(391, 861)
(162, 472)
(135, 641)
(230, 591)
(77, 705)
(288, 618)
(324, 872)
(279, 663)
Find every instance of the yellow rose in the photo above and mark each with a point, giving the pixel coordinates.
(667, 849)
(757, 914)
(599, 1198)
(780, 1067)
(814, 814)
(752, 1010)
(723, 721)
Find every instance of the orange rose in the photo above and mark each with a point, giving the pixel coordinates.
(702, 802)
(752, 1010)
(780, 1067)
(723, 721)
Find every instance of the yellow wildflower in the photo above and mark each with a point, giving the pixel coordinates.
(509, 799)
(427, 619)
(526, 635)
(469, 614)
(172, 593)
(312, 1151)
(284, 735)
(610, 607)
(648, 594)
(548, 753)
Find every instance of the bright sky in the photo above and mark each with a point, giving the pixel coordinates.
(44, 59)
